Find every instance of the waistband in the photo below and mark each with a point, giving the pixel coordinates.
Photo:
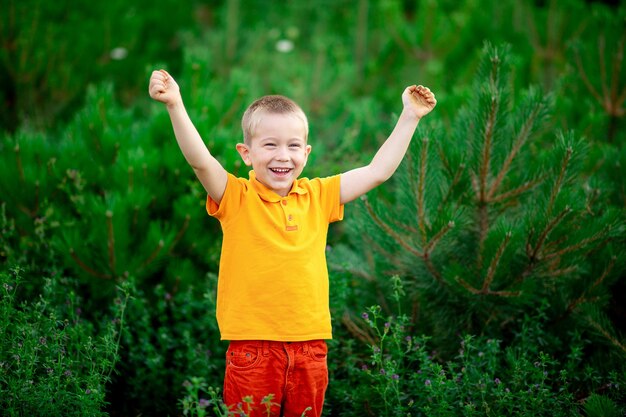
(266, 345)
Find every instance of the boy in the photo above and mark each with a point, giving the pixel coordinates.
(272, 295)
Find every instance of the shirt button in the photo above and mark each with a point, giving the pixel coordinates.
(284, 202)
(290, 217)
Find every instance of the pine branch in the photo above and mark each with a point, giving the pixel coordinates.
(466, 285)
(606, 334)
(476, 291)
(583, 76)
(533, 254)
(583, 297)
(521, 139)
(493, 266)
(180, 234)
(86, 268)
(560, 272)
(110, 240)
(559, 182)
(615, 74)
(554, 244)
(431, 268)
(483, 228)
(505, 293)
(483, 171)
(603, 81)
(135, 217)
(425, 256)
(358, 332)
(231, 112)
(611, 99)
(389, 230)
(384, 252)
(486, 152)
(407, 228)
(576, 246)
(152, 256)
(430, 246)
(455, 181)
(356, 272)
(516, 191)
(420, 191)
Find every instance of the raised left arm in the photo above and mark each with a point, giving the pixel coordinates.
(418, 101)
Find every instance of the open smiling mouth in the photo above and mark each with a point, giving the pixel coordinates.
(280, 171)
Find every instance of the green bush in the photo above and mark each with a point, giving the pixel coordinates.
(171, 335)
(52, 361)
(51, 53)
(483, 379)
(486, 226)
(489, 221)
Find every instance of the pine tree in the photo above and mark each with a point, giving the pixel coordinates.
(492, 220)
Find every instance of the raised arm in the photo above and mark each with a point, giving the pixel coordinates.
(209, 171)
(418, 101)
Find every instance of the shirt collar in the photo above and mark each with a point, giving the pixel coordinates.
(271, 196)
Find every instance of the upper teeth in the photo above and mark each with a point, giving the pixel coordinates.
(280, 169)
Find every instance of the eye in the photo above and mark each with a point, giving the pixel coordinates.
(269, 145)
(295, 146)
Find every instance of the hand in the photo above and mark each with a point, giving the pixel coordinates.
(419, 99)
(163, 88)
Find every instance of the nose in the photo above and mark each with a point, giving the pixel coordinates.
(282, 154)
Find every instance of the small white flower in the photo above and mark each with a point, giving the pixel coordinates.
(118, 53)
(284, 45)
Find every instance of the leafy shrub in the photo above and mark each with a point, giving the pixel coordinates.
(601, 406)
(172, 336)
(485, 227)
(394, 371)
(482, 379)
(482, 233)
(52, 361)
(51, 53)
(107, 199)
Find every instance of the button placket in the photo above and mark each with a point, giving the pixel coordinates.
(289, 216)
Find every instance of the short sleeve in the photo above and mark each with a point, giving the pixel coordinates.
(231, 200)
(330, 191)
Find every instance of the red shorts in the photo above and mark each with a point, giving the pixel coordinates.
(295, 373)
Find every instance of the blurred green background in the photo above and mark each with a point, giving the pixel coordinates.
(103, 220)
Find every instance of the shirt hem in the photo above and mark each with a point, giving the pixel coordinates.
(299, 338)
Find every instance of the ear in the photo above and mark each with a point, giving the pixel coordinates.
(244, 152)
(307, 151)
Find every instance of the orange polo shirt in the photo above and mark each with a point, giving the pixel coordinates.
(273, 278)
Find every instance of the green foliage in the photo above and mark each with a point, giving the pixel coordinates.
(486, 226)
(52, 361)
(194, 404)
(504, 224)
(398, 372)
(52, 51)
(170, 337)
(598, 405)
(482, 379)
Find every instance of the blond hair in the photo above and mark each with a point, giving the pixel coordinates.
(272, 104)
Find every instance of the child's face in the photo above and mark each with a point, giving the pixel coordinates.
(277, 151)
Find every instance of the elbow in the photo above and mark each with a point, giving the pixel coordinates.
(200, 169)
(380, 174)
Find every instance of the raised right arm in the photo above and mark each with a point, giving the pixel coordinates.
(209, 171)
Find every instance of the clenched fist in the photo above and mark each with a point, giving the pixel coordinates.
(164, 88)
